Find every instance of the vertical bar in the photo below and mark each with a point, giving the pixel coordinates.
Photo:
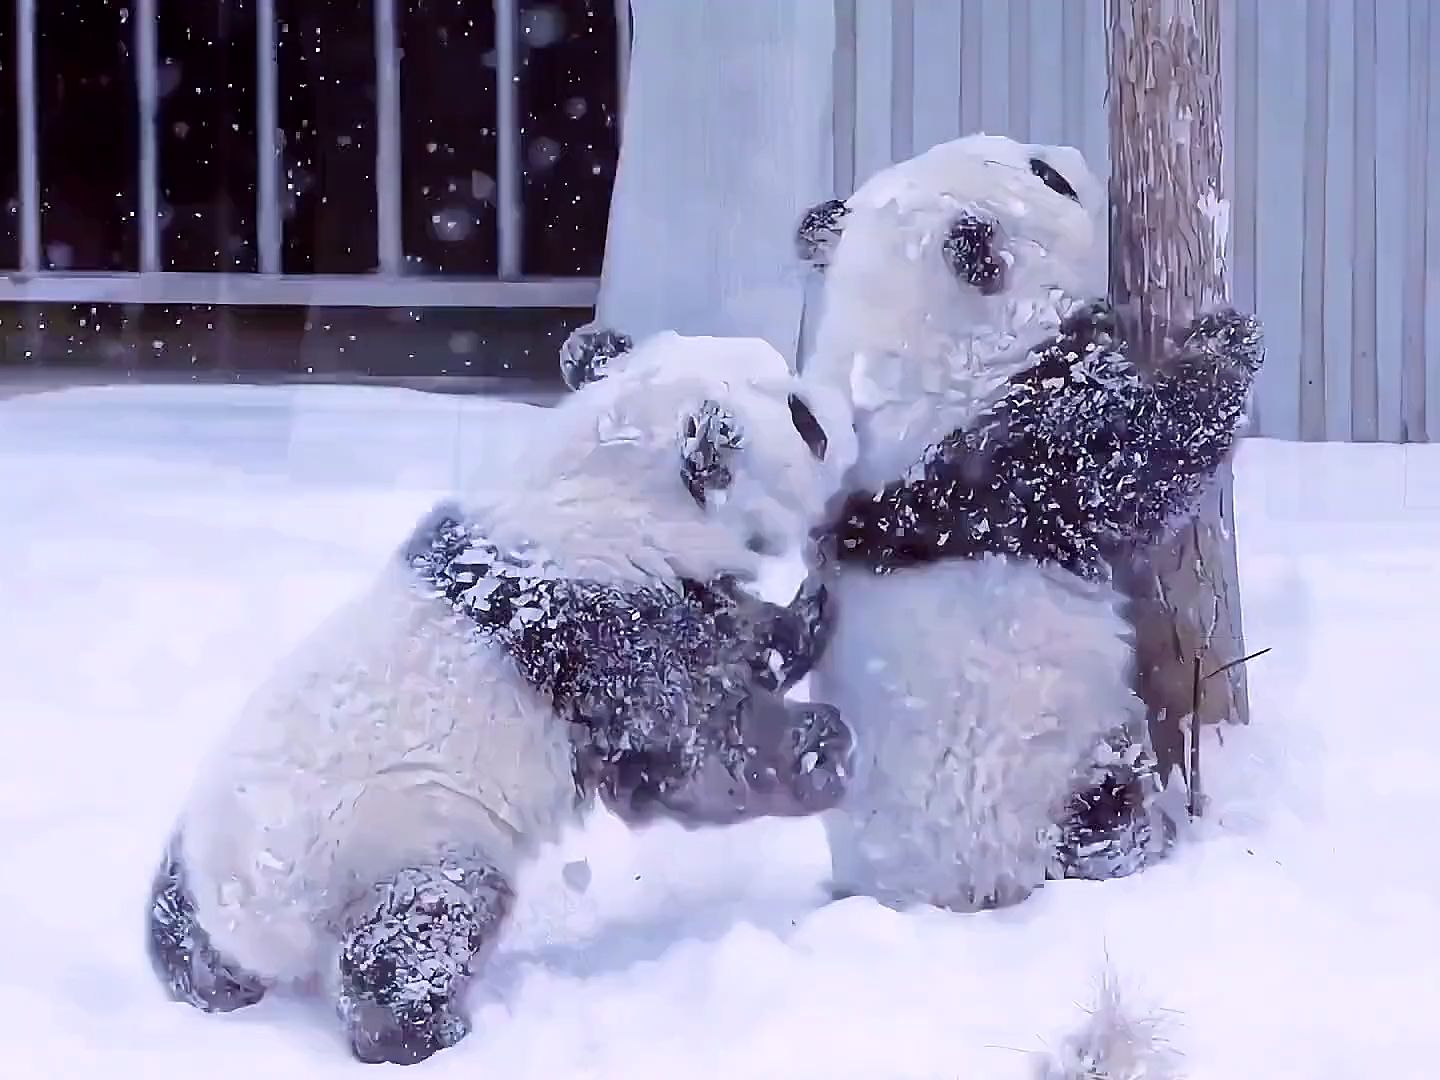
(1364, 363)
(387, 127)
(1430, 382)
(1413, 330)
(267, 150)
(972, 30)
(1072, 76)
(147, 100)
(1245, 160)
(507, 49)
(1312, 280)
(25, 49)
(902, 80)
(843, 121)
(622, 60)
(1018, 12)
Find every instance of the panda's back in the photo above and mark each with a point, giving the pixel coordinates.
(395, 732)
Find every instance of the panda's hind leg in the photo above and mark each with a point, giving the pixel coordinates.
(186, 962)
(1111, 827)
(408, 948)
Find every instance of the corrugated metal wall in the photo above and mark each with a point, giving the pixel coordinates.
(1332, 139)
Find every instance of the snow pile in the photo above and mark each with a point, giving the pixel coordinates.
(162, 548)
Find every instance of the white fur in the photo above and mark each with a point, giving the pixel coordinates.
(776, 502)
(394, 735)
(917, 352)
(975, 688)
(391, 736)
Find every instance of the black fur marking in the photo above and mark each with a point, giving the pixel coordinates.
(663, 684)
(819, 230)
(187, 964)
(586, 355)
(808, 427)
(407, 951)
(708, 439)
(1108, 830)
(1051, 178)
(970, 251)
(1081, 457)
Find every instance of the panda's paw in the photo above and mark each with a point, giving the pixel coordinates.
(1109, 829)
(409, 949)
(819, 231)
(798, 636)
(380, 1036)
(812, 769)
(189, 966)
(1226, 339)
(587, 353)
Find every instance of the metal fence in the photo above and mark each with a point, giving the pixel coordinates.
(389, 286)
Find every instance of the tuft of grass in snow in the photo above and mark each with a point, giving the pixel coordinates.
(1115, 1043)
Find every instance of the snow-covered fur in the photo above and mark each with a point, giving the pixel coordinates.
(1008, 445)
(918, 349)
(361, 823)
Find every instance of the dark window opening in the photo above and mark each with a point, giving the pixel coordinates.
(89, 135)
(449, 141)
(326, 52)
(206, 135)
(569, 138)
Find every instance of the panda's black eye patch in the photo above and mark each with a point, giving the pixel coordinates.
(1052, 179)
(972, 251)
(808, 427)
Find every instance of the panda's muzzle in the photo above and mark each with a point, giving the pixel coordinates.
(972, 251)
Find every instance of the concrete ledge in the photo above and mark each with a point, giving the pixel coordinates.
(15, 381)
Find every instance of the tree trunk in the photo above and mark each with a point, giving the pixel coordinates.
(1168, 229)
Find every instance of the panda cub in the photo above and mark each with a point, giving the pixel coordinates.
(588, 634)
(1011, 446)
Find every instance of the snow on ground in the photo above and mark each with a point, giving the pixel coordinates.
(160, 548)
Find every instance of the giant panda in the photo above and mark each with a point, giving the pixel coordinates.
(586, 633)
(1010, 448)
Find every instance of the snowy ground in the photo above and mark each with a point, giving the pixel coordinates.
(160, 548)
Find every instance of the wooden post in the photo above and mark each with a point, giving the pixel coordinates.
(1168, 229)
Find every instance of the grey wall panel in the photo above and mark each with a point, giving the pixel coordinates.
(1332, 169)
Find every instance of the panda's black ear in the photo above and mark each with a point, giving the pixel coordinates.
(709, 439)
(819, 231)
(587, 353)
(1051, 178)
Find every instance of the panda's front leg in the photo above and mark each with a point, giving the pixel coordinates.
(185, 960)
(786, 641)
(407, 951)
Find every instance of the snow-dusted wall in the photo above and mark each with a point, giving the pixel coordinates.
(727, 140)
